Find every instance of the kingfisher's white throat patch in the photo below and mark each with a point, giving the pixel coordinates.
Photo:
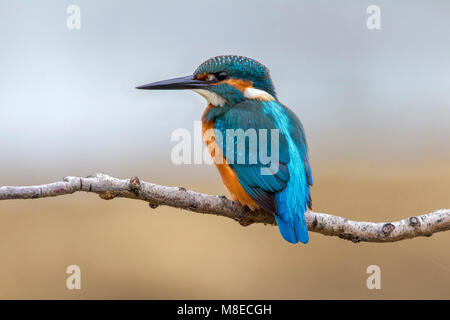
(212, 97)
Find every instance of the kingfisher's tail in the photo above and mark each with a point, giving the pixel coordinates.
(293, 231)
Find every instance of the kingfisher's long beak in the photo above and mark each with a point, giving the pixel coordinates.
(187, 82)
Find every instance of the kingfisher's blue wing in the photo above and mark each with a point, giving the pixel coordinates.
(298, 135)
(247, 161)
(286, 192)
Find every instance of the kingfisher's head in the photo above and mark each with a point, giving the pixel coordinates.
(224, 80)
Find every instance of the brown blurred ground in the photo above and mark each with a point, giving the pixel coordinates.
(126, 250)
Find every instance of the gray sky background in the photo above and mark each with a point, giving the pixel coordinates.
(68, 103)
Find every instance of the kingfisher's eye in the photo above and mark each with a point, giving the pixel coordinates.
(222, 75)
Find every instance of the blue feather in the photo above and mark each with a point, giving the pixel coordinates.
(294, 199)
(285, 193)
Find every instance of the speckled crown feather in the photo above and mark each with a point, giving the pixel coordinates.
(239, 67)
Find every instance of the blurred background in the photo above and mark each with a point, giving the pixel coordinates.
(375, 105)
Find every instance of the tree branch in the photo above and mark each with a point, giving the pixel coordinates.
(108, 188)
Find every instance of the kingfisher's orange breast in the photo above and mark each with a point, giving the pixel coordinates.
(229, 177)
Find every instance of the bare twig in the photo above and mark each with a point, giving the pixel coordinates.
(108, 188)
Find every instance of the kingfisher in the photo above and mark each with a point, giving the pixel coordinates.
(241, 96)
